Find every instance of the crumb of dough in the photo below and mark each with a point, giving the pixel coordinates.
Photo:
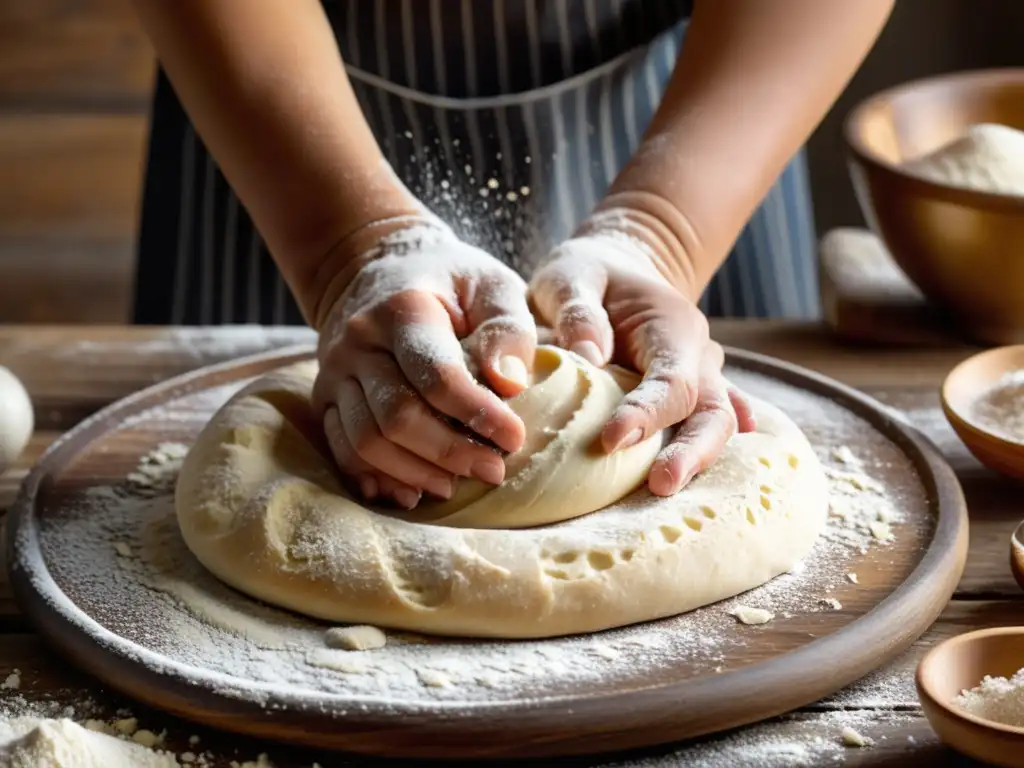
(122, 549)
(747, 615)
(434, 679)
(126, 726)
(831, 602)
(13, 681)
(844, 455)
(853, 578)
(147, 738)
(361, 637)
(852, 738)
(881, 530)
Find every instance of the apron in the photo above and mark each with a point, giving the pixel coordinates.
(508, 118)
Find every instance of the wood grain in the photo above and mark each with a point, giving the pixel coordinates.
(70, 176)
(85, 55)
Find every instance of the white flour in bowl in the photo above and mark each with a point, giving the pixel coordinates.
(998, 699)
(987, 158)
(1000, 408)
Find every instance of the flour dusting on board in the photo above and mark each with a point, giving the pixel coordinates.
(119, 557)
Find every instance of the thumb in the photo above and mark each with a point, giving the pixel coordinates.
(571, 301)
(504, 335)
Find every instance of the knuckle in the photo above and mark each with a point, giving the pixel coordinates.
(368, 442)
(399, 419)
(448, 452)
(443, 380)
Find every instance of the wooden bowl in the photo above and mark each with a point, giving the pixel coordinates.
(1017, 555)
(959, 663)
(966, 382)
(961, 247)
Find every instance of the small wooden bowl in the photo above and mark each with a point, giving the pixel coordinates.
(1017, 555)
(966, 382)
(961, 247)
(960, 663)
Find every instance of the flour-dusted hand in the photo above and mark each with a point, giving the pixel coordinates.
(605, 298)
(402, 411)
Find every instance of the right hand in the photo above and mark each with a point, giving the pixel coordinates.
(392, 367)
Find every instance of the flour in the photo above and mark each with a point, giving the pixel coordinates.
(157, 606)
(34, 743)
(793, 741)
(998, 699)
(987, 158)
(1000, 408)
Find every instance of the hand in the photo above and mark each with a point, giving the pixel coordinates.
(605, 299)
(401, 410)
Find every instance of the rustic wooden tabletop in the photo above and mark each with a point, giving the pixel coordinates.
(73, 371)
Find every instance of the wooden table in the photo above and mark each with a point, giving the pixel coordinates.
(73, 371)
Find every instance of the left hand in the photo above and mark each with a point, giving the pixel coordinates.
(605, 299)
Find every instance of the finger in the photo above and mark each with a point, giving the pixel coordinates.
(697, 444)
(571, 302)
(373, 448)
(745, 421)
(406, 420)
(431, 358)
(504, 335)
(666, 395)
(372, 483)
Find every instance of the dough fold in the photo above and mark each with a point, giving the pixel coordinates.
(571, 542)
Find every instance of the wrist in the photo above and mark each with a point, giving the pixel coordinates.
(343, 261)
(666, 236)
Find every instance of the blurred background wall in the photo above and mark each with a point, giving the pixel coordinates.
(75, 77)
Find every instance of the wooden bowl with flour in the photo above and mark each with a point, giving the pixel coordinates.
(938, 169)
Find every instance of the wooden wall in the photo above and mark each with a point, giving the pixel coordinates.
(75, 78)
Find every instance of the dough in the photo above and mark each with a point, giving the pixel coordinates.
(16, 419)
(261, 505)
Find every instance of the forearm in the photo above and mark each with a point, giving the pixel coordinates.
(754, 79)
(264, 85)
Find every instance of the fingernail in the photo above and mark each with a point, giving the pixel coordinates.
(407, 497)
(441, 487)
(513, 369)
(368, 486)
(489, 472)
(589, 351)
(631, 439)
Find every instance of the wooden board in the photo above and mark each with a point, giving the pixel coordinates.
(792, 661)
(866, 298)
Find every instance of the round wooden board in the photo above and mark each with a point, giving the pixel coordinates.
(748, 674)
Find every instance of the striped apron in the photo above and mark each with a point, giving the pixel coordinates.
(508, 118)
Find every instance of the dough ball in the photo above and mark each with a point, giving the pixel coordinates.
(16, 419)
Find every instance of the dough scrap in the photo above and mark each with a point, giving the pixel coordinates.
(261, 505)
(358, 638)
(753, 616)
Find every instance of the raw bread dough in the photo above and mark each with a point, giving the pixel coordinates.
(261, 505)
(16, 420)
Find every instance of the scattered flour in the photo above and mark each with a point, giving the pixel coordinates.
(33, 743)
(51, 734)
(1000, 409)
(987, 158)
(151, 601)
(998, 699)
